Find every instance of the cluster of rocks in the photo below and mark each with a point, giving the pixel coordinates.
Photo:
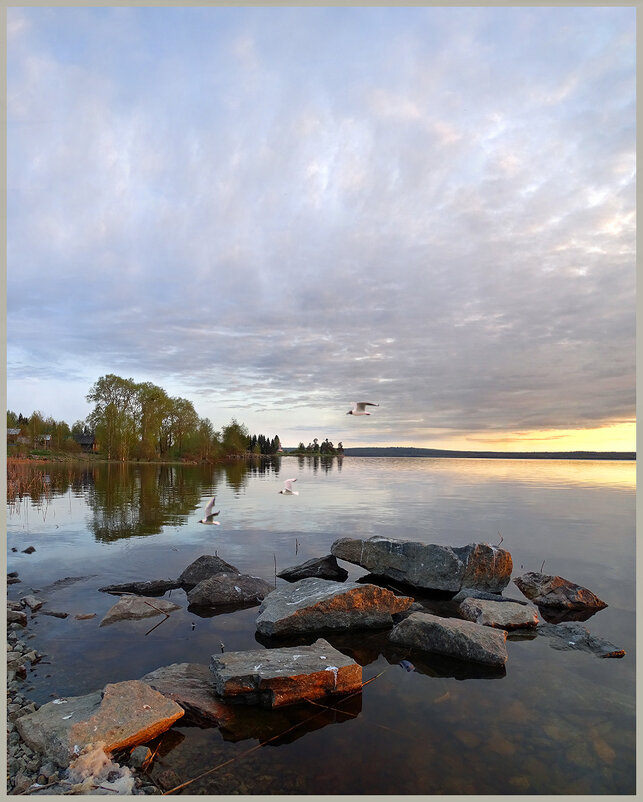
(79, 735)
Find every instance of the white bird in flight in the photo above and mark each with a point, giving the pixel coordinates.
(288, 491)
(359, 408)
(208, 515)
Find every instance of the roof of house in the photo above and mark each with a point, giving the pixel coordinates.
(13, 431)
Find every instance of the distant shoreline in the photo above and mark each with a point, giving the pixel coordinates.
(403, 451)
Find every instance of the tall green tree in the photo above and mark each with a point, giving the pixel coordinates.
(113, 418)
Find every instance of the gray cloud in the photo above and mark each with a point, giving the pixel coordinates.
(434, 206)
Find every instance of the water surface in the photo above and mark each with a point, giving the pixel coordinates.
(553, 722)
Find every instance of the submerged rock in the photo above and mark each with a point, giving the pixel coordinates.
(203, 568)
(554, 591)
(318, 605)
(502, 615)
(276, 677)
(228, 589)
(190, 686)
(323, 568)
(135, 607)
(429, 566)
(125, 714)
(451, 636)
(571, 635)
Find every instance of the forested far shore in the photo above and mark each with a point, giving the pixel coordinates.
(409, 451)
(135, 421)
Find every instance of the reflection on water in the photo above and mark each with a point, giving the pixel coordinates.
(550, 722)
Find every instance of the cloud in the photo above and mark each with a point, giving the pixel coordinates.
(441, 213)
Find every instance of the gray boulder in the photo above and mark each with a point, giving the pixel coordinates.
(554, 591)
(502, 615)
(318, 605)
(203, 568)
(277, 677)
(124, 714)
(135, 607)
(151, 587)
(451, 636)
(429, 566)
(224, 589)
(323, 568)
(572, 635)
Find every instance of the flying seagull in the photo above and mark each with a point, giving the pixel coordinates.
(288, 491)
(359, 408)
(208, 515)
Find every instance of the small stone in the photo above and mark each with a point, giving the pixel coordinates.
(28, 550)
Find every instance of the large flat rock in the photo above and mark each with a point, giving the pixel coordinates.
(319, 605)
(429, 566)
(554, 591)
(228, 589)
(503, 615)
(277, 677)
(135, 607)
(465, 640)
(125, 714)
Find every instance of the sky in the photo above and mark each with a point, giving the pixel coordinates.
(274, 212)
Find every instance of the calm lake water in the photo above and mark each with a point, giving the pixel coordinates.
(554, 722)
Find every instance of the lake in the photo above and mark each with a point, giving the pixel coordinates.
(553, 722)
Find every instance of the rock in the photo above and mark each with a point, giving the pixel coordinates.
(474, 593)
(135, 607)
(323, 568)
(125, 714)
(65, 582)
(203, 568)
(276, 677)
(28, 550)
(503, 615)
(486, 567)
(152, 587)
(450, 636)
(32, 602)
(55, 613)
(429, 566)
(228, 589)
(139, 756)
(84, 616)
(16, 617)
(13, 580)
(554, 591)
(571, 635)
(190, 686)
(318, 605)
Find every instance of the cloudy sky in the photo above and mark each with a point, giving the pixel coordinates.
(274, 212)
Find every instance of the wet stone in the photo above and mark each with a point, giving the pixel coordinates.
(276, 677)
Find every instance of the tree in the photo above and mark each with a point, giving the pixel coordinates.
(234, 438)
(114, 415)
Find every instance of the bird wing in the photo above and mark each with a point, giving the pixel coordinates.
(208, 507)
(210, 517)
(288, 483)
(361, 405)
